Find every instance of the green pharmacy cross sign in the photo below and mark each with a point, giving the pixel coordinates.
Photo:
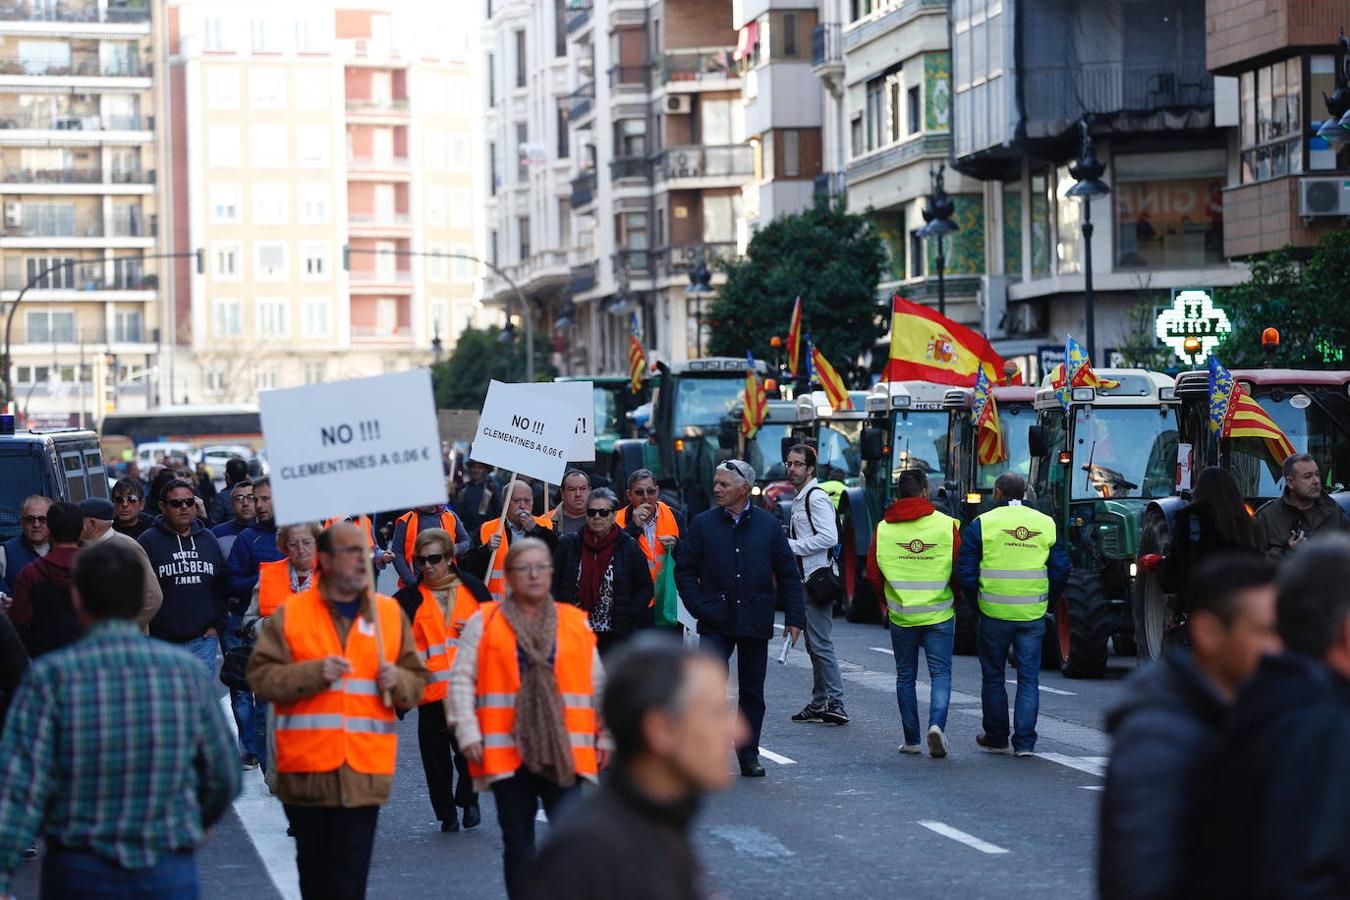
(1192, 315)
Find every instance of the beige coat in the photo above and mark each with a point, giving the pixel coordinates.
(153, 596)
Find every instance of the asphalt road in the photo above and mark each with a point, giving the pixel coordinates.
(841, 813)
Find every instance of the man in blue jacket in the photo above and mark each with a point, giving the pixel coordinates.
(732, 567)
(254, 546)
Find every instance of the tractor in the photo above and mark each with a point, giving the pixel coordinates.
(1095, 468)
(764, 453)
(1313, 410)
(614, 400)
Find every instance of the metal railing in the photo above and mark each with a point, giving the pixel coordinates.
(396, 163)
(90, 275)
(696, 64)
(583, 189)
(631, 167)
(1056, 92)
(77, 176)
(116, 13)
(578, 15)
(76, 122)
(580, 102)
(698, 161)
(373, 105)
(395, 220)
(826, 48)
(677, 260)
(582, 278)
(374, 276)
(828, 186)
(397, 334)
(633, 262)
(80, 67)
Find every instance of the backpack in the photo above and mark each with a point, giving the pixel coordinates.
(824, 587)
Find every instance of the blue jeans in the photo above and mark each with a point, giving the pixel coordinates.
(75, 875)
(994, 638)
(936, 641)
(205, 649)
(827, 686)
(250, 715)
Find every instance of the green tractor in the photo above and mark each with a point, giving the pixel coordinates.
(1095, 468)
(614, 400)
(689, 402)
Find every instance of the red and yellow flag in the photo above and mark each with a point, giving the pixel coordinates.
(990, 447)
(928, 347)
(1235, 413)
(637, 357)
(830, 381)
(794, 339)
(756, 401)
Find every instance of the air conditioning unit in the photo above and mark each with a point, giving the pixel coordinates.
(679, 104)
(1324, 196)
(13, 214)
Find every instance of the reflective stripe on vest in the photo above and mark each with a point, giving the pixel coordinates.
(274, 586)
(1014, 581)
(498, 681)
(915, 558)
(496, 577)
(348, 723)
(666, 526)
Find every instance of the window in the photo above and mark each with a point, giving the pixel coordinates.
(213, 34)
(493, 182)
(876, 106)
(493, 256)
(382, 145)
(305, 39)
(459, 154)
(269, 203)
(435, 156)
(522, 152)
(267, 87)
(432, 100)
(914, 111)
(856, 140)
(314, 203)
(314, 256)
(522, 62)
(265, 379)
(315, 372)
(560, 28)
(564, 148)
(224, 147)
(127, 326)
(32, 374)
(894, 127)
(48, 327)
(225, 202)
(790, 35)
(1169, 209)
(631, 138)
(633, 231)
(227, 260)
(491, 81)
(523, 230)
(264, 36)
(228, 317)
(213, 378)
(461, 209)
(1270, 118)
(463, 265)
(436, 264)
(269, 149)
(435, 207)
(222, 88)
(916, 255)
(790, 141)
(719, 217)
(64, 274)
(271, 261)
(317, 317)
(311, 90)
(311, 146)
(386, 316)
(274, 318)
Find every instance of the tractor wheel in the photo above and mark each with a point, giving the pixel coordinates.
(859, 603)
(1083, 626)
(1154, 612)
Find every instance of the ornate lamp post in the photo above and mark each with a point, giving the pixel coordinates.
(937, 216)
(1087, 171)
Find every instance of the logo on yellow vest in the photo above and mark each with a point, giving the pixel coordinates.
(1021, 533)
(916, 546)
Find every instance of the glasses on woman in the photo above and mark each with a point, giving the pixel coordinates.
(599, 513)
(431, 559)
(532, 568)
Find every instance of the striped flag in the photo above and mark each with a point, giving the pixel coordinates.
(756, 401)
(637, 357)
(928, 347)
(794, 340)
(1234, 413)
(990, 447)
(1079, 367)
(829, 379)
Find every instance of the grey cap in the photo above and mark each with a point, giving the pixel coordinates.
(97, 508)
(741, 468)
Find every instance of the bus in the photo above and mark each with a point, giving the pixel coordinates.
(198, 424)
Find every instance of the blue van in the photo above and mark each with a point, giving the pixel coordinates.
(63, 464)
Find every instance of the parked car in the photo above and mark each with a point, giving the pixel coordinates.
(63, 464)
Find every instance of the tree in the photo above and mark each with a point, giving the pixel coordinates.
(1308, 303)
(832, 259)
(479, 356)
(1138, 343)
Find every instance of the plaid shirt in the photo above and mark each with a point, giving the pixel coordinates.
(114, 746)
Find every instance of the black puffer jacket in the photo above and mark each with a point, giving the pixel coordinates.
(633, 587)
(1165, 733)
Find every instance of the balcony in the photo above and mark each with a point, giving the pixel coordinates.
(583, 190)
(631, 167)
(380, 279)
(633, 263)
(370, 168)
(635, 77)
(78, 176)
(583, 278)
(578, 105)
(694, 66)
(362, 222)
(827, 51)
(730, 162)
(578, 15)
(382, 334)
(79, 66)
(1053, 91)
(678, 260)
(397, 106)
(828, 187)
(117, 12)
(61, 221)
(86, 280)
(80, 124)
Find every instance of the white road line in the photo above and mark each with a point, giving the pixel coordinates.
(1049, 690)
(781, 760)
(750, 840)
(265, 824)
(1092, 787)
(886, 650)
(961, 837)
(1093, 765)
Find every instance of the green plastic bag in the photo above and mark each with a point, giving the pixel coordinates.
(667, 611)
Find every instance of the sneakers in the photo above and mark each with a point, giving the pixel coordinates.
(937, 743)
(809, 714)
(249, 762)
(909, 748)
(834, 714)
(1025, 753)
(987, 745)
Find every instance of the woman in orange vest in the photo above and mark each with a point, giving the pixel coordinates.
(439, 605)
(524, 702)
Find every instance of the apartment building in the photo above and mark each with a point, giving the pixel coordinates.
(322, 161)
(78, 172)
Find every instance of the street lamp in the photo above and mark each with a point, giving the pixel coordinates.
(1087, 171)
(437, 347)
(937, 216)
(699, 287)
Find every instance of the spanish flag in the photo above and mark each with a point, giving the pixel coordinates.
(756, 401)
(1233, 413)
(989, 435)
(637, 357)
(794, 340)
(830, 381)
(928, 347)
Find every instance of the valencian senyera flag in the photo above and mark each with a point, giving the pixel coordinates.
(1234, 413)
(926, 346)
(794, 339)
(756, 401)
(990, 447)
(1075, 371)
(829, 379)
(637, 357)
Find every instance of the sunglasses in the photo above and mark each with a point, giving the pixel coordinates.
(599, 513)
(127, 499)
(431, 559)
(242, 498)
(33, 520)
(180, 504)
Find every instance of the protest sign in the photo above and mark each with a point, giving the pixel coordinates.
(348, 447)
(525, 430)
(579, 395)
(457, 425)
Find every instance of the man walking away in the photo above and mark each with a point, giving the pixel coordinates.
(30, 544)
(191, 573)
(98, 529)
(731, 570)
(1277, 823)
(667, 710)
(569, 516)
(220, 508)
(1011, 559)
(1302, 511)
(1165, 731)
(911, 563)
(42, 611)
(129, 517)
(115, 751)
(812, 534)
(241, 509)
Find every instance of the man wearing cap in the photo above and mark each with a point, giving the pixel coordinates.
(98, 529)
(732, 568)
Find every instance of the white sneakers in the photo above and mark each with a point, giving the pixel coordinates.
(937, 743)
(909, 748)
(1026, 753)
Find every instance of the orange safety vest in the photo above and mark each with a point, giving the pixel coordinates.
(666, 526)
(448, 523)
(499, 680)
(437, 642)
(362, 522)
(274, 586)
(496, 579)
(347, 723)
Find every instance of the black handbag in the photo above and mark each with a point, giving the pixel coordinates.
(234, 665)
(824, 587)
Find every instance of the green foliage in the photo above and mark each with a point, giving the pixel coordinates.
(1139, 344)
(461, 381)
(831, 259)
(1309, 304)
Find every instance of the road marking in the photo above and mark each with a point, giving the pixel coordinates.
(961, 837)
(752, 841)
(885, 650)
(1093, 765)
(540, 816)
(265, 823)
(1050, 690)
(781, 760)
(1092, 787)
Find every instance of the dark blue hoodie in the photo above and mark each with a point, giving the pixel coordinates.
(254, 546)
(191, 572)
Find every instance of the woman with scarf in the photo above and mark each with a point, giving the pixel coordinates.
(603, 570)
(524, 702)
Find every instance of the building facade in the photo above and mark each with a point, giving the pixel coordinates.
(79, 128)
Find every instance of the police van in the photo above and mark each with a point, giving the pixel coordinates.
(63, 464)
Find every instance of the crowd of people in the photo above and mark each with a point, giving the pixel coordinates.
(524, 633)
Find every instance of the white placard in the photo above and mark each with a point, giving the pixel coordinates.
(580, 395)
(362, 445)
(525, 430)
